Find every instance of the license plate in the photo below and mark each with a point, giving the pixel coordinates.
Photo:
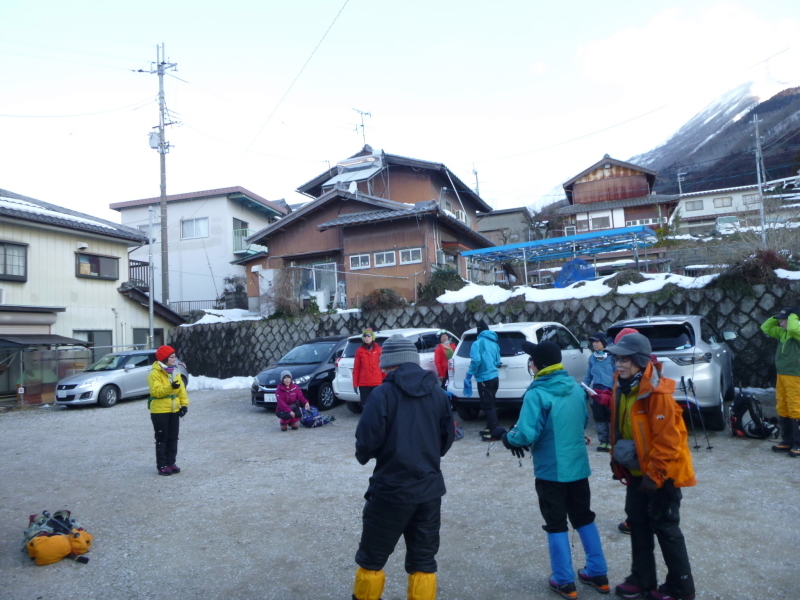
(269, 397)
(61, 394)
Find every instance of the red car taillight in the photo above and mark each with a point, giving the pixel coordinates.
(451, 368)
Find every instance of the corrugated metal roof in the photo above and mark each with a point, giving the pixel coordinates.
(641, 201)
(29, 209)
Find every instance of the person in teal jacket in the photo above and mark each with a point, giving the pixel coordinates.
(785, 327)
(484, 360)
(552, 423)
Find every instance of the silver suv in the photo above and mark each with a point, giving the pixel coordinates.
(691, 350)
(114, 377)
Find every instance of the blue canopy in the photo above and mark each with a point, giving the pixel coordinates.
(594, 242)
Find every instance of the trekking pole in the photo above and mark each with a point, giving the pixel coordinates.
(702, 421)
(689, 408)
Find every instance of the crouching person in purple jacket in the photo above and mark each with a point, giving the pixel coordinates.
(407, 426)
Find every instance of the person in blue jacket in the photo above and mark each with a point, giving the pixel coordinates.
(600, 377)
(484, 360)
(551, 422)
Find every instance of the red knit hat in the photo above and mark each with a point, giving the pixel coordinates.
(623, 333)
(164, 352)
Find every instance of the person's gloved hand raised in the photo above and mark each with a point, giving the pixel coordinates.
(182, 412)
(468, 386)
(176, 385)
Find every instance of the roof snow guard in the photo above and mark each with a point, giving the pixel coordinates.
(595, 242)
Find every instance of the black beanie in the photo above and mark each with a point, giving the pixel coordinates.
(544, 355)
(482, 326)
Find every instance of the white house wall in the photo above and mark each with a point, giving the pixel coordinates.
(197, 266)
(52, 282)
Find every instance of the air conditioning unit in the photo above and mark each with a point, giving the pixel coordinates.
(570, 231)
(440, 257)
(461, 216)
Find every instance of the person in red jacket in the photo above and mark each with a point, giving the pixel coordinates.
(442, 354)
(289, 398)
(367, 374)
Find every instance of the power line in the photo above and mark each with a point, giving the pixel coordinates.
(291, 85)
(138, 105)
(69, 50)
(77, 62)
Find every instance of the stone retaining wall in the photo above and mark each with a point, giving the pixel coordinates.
(246, 347)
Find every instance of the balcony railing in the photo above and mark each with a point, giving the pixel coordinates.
(242, 247)
(138, 274)
(186, 306)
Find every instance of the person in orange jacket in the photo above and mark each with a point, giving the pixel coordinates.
(367, 374)
(442, 354)
(650, 451)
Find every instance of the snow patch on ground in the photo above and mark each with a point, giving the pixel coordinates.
(201, 382)
(784, 274)
(224, 316)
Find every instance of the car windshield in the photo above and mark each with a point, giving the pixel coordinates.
(354, 343)
(672, 336)
(308, 354)
(110, 362)
(510, 343)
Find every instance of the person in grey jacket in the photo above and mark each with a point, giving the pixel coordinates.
(552, 423)
(407, 426)
(484, 361)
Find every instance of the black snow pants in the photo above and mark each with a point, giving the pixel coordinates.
(166, 426)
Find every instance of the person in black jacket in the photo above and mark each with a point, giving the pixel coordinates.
(407, 426)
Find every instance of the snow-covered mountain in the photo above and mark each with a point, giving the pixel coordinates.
(715, 149)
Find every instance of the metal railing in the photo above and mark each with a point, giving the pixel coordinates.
(186, 306)
(138, 274)
(242, 247)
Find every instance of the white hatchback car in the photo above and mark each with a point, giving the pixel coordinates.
(513, 371)
(424, 339)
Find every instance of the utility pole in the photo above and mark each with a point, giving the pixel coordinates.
(760, 186)
(363, 132)
(157, 142)
(150, 276)
(680, 175)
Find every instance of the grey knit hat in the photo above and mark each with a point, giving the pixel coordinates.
(398, 350)
(634, 345)
(284, 373)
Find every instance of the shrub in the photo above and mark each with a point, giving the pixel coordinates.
(624, 278)
(382, 299)
(440, 282)
(476, 304)
(758, 269)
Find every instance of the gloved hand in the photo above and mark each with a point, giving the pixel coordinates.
(648, 486)
(176, 385)
(517, 451)
(182, 412)
(468, 387)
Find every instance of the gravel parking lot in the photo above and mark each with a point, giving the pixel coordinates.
(257, 513)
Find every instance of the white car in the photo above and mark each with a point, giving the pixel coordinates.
(424, 339)
(513, 371)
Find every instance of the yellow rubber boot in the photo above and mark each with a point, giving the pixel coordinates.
(368, 584)
(422, 586)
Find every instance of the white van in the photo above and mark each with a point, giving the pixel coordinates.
(727, 225)
(513, 371)
(425, 339)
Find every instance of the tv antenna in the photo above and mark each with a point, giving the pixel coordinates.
(363, 132)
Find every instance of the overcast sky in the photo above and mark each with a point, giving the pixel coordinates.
(506, 86)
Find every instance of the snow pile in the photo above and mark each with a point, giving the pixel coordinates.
(16, 204)
(224, 316)
(201, 382)
(784, 274)
(493, 294)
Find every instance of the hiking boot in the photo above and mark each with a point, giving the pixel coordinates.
(295, 427)
(164, 471)
(795, 452)
(628, 590)
(603, 448)
(664, 592)
(782, 447)
(174, 468)
(598, 582)
(624, 528)
(485, 431)
(284, 427)
(565, 591)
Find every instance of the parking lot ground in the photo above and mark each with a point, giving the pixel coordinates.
(262, 514)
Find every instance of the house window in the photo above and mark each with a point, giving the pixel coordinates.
(694, 205)
(97, 267)
(750, 198)
(194, 228)
(583, 224)
(723, 202)
(384, 259)
(359, 261)
(99, 342)
(140, 337)
(156, 234)
(413, 255)
(601, 222)
(13, 262)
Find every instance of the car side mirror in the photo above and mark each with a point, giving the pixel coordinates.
(584, 345)
(128, 367)
(729, 336)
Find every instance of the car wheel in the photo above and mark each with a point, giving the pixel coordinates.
(325, 397)
(108, 396)
(467, 413)
(715, 418)
(355, 407)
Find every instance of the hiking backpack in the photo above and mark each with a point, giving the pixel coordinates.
(312, 418)
(746, 419)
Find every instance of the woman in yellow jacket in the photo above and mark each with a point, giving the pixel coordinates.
(167, 403)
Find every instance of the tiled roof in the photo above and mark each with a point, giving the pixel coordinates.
(277, 207)
(20, 207)
(573, 209)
